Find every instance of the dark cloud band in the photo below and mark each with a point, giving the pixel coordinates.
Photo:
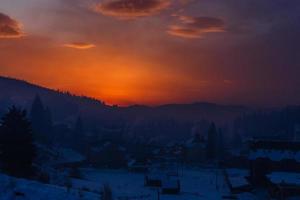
(9, 28)
(196, 27)
(130, 9)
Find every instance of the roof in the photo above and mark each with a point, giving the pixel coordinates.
(275, 155)
(285, 178)
(237, 177)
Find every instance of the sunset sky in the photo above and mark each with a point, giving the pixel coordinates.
(156, 51)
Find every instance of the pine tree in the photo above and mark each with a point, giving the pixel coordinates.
(37, 115)
(17, 149)
(41, 119)
(221, 145)
(211, 146)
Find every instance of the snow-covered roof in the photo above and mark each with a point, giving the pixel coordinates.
(237, 177)
(287, 178)
(274, 155)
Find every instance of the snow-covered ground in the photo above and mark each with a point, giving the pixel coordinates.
(197, 184)
(22, 189)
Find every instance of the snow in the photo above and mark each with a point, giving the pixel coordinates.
(246, 196)
(196, 184)
(285, 177)
(26, 189)
(237, 177)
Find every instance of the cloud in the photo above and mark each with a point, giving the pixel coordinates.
(196, 27)
(131, 9)
(80, 45)
(9, 28)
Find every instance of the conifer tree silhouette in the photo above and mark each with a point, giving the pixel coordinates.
(16, 146)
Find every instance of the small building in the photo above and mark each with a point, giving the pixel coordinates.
(267, 156)
(237, 180)
(170, 186)
(154, 179)
(284, 184)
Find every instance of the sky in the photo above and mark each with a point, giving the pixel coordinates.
(156, 51)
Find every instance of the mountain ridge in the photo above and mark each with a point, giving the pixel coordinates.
(66, 106)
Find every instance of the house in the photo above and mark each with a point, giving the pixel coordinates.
(284, 184)
(154, 179)
(275, 165)
(267, 155)
(237, 180)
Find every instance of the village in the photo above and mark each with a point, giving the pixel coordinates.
(262, 169)
(273, 173)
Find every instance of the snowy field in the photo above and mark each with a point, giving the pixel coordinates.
(195, 184)
(22, 189)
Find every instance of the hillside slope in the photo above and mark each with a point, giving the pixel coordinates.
(63, 105)
(66, 107)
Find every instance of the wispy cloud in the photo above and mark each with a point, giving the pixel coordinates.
(196, 27)
(79, 45)
(9, 28)
(131, 9)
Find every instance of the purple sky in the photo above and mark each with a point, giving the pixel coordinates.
(156, 51)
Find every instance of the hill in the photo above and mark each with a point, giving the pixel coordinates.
(66, 106)
(62, 104)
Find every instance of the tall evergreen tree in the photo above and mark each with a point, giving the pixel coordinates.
(37, 115)
(17, 149)
(211, 146)
(41, 120)
(221, 145)
(237, 140)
